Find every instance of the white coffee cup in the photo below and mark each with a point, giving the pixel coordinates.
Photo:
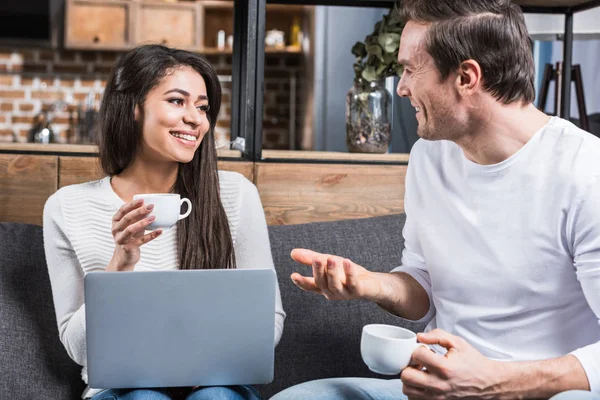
(167, 209)
(387, 349)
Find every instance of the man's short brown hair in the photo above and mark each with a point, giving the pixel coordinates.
(491, 32)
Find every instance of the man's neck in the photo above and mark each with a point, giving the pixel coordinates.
(501, 131)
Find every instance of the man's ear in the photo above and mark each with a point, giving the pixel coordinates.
(469, 77)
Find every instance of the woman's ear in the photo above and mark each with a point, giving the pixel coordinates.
(136, 113)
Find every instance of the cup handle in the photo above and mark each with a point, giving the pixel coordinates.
(189, 208)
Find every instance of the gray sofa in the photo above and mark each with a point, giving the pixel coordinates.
(320, 340)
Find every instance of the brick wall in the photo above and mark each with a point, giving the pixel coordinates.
(32, 80)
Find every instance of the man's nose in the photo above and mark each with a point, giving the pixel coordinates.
(402, 88)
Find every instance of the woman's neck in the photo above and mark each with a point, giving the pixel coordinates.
(145, 177)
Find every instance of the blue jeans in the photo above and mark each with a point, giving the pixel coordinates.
(374, 389)
(203, 393)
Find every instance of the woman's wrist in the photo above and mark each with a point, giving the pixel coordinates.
(116, 265)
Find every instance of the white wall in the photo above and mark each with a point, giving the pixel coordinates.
(586, 24)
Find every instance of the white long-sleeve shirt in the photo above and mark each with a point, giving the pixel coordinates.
(78, 240)
(510, 253)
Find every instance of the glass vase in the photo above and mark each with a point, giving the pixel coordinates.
(368, 128)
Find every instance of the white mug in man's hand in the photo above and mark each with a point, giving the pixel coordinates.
(167, 209)
(387, 349)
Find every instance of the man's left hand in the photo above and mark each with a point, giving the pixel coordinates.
(461, 373)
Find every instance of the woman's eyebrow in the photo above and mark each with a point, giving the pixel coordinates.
(185, 93)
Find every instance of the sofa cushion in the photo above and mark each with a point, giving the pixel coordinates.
(321, 338)
(34, 363)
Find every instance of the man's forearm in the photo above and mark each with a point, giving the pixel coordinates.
(541, 379)
(402, 295)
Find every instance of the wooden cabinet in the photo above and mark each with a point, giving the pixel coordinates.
(218, 16)
(122, 24)
(190, 25)
(293, 193)
(75, 170)
(171, 24)
(301, 193)
(26, 182)
(98, 24)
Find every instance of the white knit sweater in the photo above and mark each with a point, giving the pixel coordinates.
(78, 240)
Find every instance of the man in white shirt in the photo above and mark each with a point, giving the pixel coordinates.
(502, 237)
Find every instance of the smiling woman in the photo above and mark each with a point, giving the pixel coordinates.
(157, 92)
(158, 119)
(174, 120)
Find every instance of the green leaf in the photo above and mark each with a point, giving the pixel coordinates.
(383, 23)
(380, 49)
(371, 39)
(359, 50)
(370, 74)
(375, 50)
(390, 58)
(378, 26)
(389, 41)
(394, 18)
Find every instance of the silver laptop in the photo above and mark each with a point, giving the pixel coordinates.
(180, 328)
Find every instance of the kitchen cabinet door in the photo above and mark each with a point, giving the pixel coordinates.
(98, 24)
(170, 24)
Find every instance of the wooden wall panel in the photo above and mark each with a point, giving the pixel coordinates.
(300, 193)
(83, 169)
(26, 182)
(245, 168)
(291, 193)
(74, 170)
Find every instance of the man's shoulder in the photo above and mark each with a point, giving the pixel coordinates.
(567, 129)
(437, 151)
(571, 155)
(574, 146)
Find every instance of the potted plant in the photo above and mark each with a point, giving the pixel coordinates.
(368, 128)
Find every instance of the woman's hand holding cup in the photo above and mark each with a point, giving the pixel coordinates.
(128, 227)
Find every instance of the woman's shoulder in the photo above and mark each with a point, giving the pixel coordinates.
(85, 189)
(233, 184)
(236, 192)
(79, 193)
(73, 203)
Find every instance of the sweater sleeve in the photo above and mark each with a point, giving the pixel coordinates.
(253, 249)
(586, 252)
(66, 279)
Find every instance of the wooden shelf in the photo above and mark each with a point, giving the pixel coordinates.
(332, 156)
(92, 150)
(268, 50)
(48, 148)
(296, 155)
(270, 7)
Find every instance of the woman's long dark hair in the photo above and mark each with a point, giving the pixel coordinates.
(203, 239)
